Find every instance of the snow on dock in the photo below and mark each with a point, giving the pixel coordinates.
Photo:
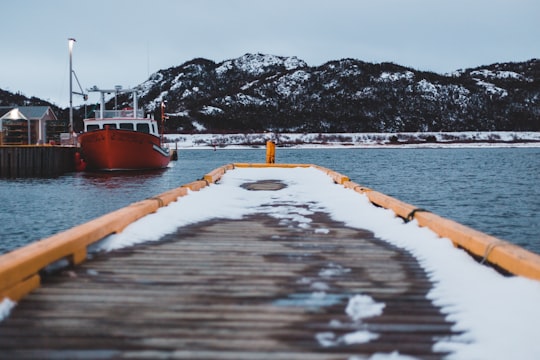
(276, 263)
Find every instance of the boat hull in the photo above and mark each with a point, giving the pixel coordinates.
(116, 149)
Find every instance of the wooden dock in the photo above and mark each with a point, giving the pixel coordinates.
(252, 288)
(36, 161)
(246, 289)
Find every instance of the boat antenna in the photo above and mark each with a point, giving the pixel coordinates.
(85, 96)
(163, 117)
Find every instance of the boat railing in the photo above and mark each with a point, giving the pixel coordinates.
(126, 113)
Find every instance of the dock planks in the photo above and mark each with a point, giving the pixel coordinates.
(256, 288)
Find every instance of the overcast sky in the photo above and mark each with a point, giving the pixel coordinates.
(122, 42)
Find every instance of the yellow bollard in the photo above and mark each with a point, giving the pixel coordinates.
(270, 152)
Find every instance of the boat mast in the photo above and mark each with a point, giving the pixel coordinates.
(135, 103)
(102, 105)
(115, 91)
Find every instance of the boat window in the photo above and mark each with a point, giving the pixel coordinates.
(111, 126)
(154, 128)
(143, 128)
(126, 126)
(92, 127)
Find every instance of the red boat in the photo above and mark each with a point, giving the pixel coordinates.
(122, 139)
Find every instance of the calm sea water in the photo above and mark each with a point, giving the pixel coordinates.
(494, 190)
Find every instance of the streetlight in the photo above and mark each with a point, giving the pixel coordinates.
(71, 41)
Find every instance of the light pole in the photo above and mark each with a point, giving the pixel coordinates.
(70, 45)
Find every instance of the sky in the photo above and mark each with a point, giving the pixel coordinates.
(122, 42)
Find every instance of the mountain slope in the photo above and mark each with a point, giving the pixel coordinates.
(259, 92)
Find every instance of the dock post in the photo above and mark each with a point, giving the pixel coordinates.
(174, 153)
(270, 152)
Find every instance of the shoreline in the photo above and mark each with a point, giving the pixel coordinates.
(355, 140)
(366, 146)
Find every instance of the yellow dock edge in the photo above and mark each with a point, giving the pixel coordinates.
(19, 269)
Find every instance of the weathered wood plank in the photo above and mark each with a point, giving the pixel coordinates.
(245, 289)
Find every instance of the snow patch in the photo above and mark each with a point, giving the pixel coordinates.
(491, 88)
(210, 110)
(183, 113)
(177, 82)
(385, 356)
(329, 339)
(198, 126)
(258, 64)
(359, 307)
(359, 337)
(430, 90)
(396, 76)
(5, 308)
(291, 83)
(500, 74)
(333, 270)
(362, 307)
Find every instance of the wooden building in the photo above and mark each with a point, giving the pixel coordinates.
(25, 125)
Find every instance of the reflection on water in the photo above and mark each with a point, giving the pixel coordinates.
(120, 179)
(492, 190)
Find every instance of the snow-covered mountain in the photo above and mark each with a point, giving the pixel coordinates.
(257, 92)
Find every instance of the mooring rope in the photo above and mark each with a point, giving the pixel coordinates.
(159, 201)
(410, 217)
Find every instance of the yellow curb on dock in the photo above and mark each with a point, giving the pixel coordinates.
(505, 255)
(216, 174)
(196, 185)
(24, 263)
(263, 165)
(337, 177)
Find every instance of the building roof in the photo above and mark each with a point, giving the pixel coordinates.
(14, 114)
(29, 112)
(38, 112)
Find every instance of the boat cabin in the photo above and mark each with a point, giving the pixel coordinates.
(144, 125)
(125, 119)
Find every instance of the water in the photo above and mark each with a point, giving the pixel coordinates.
(494, 190)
